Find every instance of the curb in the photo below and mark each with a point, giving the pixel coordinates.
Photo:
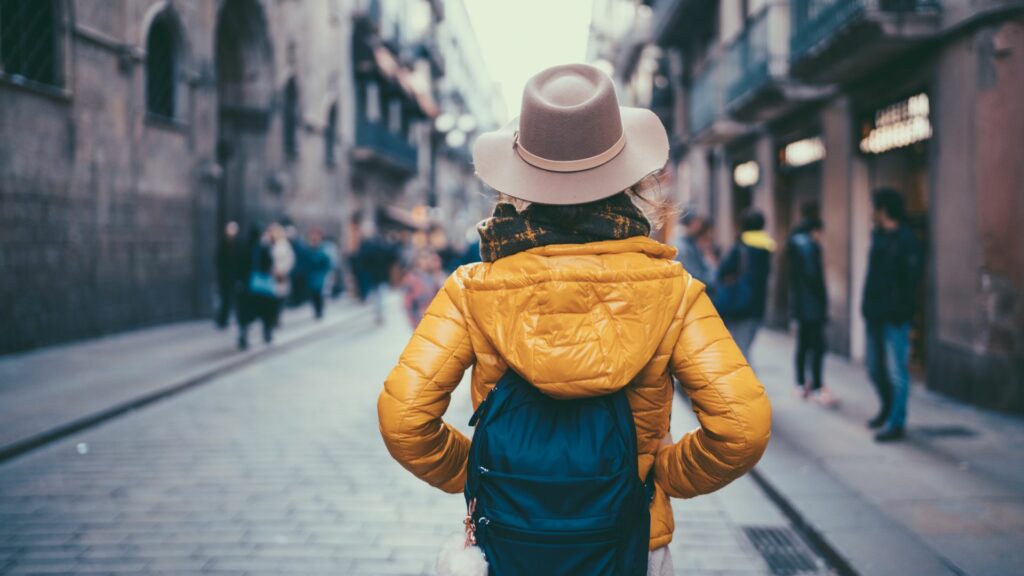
(25, 445)
(821, 545)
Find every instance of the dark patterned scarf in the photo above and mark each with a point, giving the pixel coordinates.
(508, 232)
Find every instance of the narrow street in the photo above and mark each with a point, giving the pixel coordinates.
(278, 468)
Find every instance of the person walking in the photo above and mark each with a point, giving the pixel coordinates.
(231, 265)
(282, 258)
(319, 265)
(376, 260)
(890, 294)
(691, 253)
(258, 299)
(741, 288)
(574, 318)
(421, 283)
(808, 305)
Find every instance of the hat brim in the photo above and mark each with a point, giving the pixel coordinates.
(499, 165)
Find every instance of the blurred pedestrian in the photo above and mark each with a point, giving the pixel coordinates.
(319, 265)
(808, 305)
(283, 261)
(691, 255)
(421, 283)
(298, 288)
(741, 288)
(334, 284)
(890, 293)
(709, 250)
(573, 324)
(231, 266)
(259, 300)
(472, 253)
(376, 258)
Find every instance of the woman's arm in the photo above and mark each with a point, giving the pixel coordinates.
(418, 390)
(730, 403)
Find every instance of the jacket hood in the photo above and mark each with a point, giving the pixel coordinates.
(576, 320)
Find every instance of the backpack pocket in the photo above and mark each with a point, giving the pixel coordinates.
(556, 503)
(513, 551)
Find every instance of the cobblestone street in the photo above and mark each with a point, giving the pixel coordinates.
(278, 468)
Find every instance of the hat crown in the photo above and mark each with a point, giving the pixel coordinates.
(569, 113)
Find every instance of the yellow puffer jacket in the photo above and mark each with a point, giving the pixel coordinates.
(583, 320)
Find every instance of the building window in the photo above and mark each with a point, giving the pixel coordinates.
(162, 66)
(395, 116)
(30, 41)
(373, 113)
(331, 136)
(292, 116)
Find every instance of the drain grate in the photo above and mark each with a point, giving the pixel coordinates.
(782, 549)
(951, 431)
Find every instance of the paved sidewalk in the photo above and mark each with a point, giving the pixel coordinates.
(45, 391)
(278, 468)
(948, 500)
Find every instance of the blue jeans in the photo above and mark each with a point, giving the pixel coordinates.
(888, 360)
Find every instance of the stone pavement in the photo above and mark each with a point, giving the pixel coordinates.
(59, 388)
(948, 500)
(277, 468)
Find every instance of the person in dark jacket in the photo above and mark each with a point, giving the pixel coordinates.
(231, 261)
(808, 305)
(319, 265)
(257, 300)
(890, 293)
(741, 287)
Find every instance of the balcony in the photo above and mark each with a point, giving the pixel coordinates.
(707, 119)
(376, 145)
(840, 40)
(676, 20)
(757, 82)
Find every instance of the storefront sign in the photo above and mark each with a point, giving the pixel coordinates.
(803, 152)
(746, 174)
(898, 125)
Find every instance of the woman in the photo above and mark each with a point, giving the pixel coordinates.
(283, 260)
(573, 296)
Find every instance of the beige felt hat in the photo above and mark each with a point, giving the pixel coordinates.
(572, 143)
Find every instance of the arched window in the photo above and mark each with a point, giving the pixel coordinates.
(30, 40)
(331, 136)
(162, 66)
(291, 119)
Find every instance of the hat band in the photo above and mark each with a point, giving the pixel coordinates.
(569, 165)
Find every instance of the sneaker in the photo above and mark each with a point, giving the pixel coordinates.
(823, 397)
(889, 434)
(801, 392)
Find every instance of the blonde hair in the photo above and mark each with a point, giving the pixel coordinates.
(646, 195)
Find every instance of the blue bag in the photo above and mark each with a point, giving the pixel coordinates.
(556, 485)
(261, 284)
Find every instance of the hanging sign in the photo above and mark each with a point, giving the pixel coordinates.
(897, 126)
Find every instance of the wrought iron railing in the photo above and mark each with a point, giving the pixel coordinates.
(748, 58)
(705, 101)
(393, 148)
(816, 20)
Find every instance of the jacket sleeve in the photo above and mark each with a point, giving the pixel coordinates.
(730, 403)
(418, 391)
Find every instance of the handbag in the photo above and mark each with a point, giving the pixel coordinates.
(261, 284)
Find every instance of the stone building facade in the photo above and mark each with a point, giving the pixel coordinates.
(131, 131)
(783, 104)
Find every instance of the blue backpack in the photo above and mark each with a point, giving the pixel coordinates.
(553, 485)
